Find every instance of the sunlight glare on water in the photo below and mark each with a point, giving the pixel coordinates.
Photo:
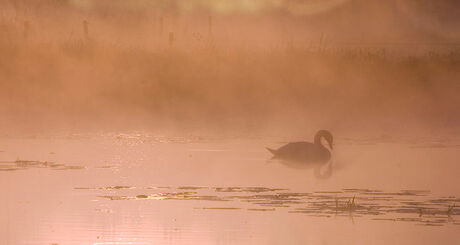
(229, 122)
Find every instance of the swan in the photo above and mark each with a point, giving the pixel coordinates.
(306, 151)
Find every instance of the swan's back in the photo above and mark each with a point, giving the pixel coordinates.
(303, 151)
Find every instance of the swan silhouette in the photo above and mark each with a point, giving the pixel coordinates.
(306, 152)
(301, 155)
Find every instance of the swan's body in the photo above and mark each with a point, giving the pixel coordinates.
(303, 151)
(306, 151)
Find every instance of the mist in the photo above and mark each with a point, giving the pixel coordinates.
(260, 67)
(229, 122)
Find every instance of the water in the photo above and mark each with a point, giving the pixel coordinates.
(138, 188)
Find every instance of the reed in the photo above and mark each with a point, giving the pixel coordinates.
(351, 204)
(450, 209)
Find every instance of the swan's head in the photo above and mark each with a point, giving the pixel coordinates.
(326, 135)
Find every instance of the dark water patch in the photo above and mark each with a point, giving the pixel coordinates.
(430, 224)
(103, 210)
(220, 208)
(384, 219)
(444, 200)
(323, 196)
(191, 188)
(117, 198)
(416, 192)
(246, 189)
(409, 219)
(70, 168)
(9, 169)
(320, 215)
(433, 222)
(361, 190)
(137, 138)
(413, 203)
(295, 194)
(168, 196)
(157, 187)
(261, 209)
(26, 164)
(273, 205)
(105, 167)
(279, 197)
(329, 192)
(426, 211)
(228, 189)
(402, 193)
(416, 206)
(117, 187)
(278, 203)
(379, 198)
(349, 215)
(207, 198)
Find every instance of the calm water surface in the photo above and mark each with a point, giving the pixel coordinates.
(147, 189)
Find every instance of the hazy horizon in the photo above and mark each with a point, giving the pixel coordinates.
(239, 122)
(248, 66)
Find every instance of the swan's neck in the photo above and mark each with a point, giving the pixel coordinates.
(326, 135)
(318, 140)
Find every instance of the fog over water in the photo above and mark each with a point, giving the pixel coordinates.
(146, 121)
(244, 65)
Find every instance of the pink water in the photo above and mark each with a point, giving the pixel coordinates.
(139, 188)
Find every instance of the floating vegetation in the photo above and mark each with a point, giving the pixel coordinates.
(118, 187)
(25, 164)
(223, 208)
(105, 166)
(450, 209)
(261, 209)
(191, 188)
(139, 138)
(413, 206)
(361, 190)
(245, 189)
(329, 192)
